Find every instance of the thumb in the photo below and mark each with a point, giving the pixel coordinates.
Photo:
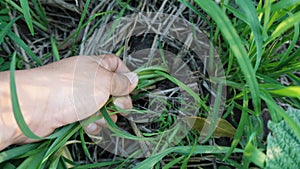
(123, 83)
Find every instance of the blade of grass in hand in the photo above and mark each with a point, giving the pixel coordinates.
(83, 144)
(15, 103)
(184, 87)
(117, 131)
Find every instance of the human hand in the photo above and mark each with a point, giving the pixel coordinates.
(63, 92)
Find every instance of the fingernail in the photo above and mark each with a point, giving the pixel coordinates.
(118, 104)
(91, 127)
(101, 121)
(132, 77)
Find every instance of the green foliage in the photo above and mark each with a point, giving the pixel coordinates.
(151, 161)
(283, 144)
(26, 14)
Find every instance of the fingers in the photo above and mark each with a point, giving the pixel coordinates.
(112, 63)
(95, 127)
(123, 83)
(123, 102)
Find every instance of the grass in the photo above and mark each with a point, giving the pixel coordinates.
(256, 41)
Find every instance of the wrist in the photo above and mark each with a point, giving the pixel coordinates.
(8, 126)
(8, 131)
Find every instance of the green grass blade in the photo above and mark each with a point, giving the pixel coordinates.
(251, 15)
(188, 4)
(284, 4)
(236, 46)
(59, 142)
(80, 27)
(271, 103)
(96, 165)
(23, 45)
(54, 49)
(14, 5)
(38, 7)
(27, 16)
(285, 25)
(213, 116)
(184, 87)
(83, 144)
(6, 29)
(117, 131)
(173, 162)
(32, 161)
(54, 163)
(15, 103)
(236, 13)
(15, 152)
(8, 165)
(62, 163)
(151, 161)
(291, 91)
(240, 129)
(4, 12)
(267, 13)
(286, 57)
(253, 154)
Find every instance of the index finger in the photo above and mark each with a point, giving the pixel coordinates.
(112, 63)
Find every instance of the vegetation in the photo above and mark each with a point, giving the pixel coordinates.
(256, 41)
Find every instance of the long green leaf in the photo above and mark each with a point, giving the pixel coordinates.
(97, 165)
(184, 87)
(23, 45)
(253, 154)
(286, 57)
(80, 27)
(32, 161)
(27, 16)
(284, 4)
(15, 103)
(213, 116)
(17, 151)
(236, 46)
(240, 129)
(117, 131)
(291, 91)
(151, 161)
(285, 25)
(54, 49)
(267, 12)
(236, 13)
(83, 144)
(251, 14)
(17, 110)
(7, 27)
(59, 142)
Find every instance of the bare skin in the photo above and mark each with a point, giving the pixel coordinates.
(63, 92)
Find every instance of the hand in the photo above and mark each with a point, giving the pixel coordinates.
(63, 92)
